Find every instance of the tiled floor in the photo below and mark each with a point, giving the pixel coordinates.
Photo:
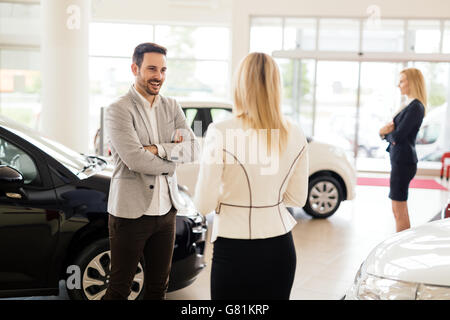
(329, 252)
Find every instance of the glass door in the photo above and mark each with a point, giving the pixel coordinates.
(336, 101)
(298, 91)
(379, 101)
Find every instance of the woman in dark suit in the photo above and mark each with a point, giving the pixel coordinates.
(401, 134)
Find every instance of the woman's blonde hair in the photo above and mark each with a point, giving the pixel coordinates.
(416, 83)
(257, 96)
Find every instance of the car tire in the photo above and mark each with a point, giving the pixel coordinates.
(92, 262)
(324, 197)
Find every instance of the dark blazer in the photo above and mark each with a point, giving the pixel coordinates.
(402, 141)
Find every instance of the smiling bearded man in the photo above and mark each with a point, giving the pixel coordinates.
(148, 134)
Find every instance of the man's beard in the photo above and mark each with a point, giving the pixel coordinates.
(146, 86)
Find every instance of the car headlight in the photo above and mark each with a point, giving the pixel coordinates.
(188, 208)
(371, 287)
(428, 292)
(187, 200)
(377, 288)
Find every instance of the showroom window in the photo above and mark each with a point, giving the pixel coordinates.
(424, 36)
(446, 38)
(386, 36)
(339, 34)
(197, 66)
(298, 90)
(19, 22)
(20, 77)
(299, 34)
(337, 95)
(266, 34)
(198, 59)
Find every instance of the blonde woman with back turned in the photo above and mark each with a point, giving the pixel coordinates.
(401, 134)
(253, 166)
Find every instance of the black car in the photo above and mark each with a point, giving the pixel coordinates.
(54, 221)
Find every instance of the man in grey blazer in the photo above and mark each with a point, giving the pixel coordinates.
(148, 135)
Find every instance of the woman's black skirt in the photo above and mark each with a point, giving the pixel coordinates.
(253, 269)
(401, 176)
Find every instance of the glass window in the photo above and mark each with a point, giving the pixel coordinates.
(199, 119)
(196, 79)
(298, 82)
(210, 43)
(20, 22)
(197, 65)
(429, 133)
(386, 36)
(20, 85)
(13, 156)
(117, 39)
(73, 161)
(337, 84)
(379, 101)
(437, 82)
(446, 44)
(266, 35)
(190, 115)
(110, 78)
(339, 34)
(424, 36)
(219, 114)
(300, 34)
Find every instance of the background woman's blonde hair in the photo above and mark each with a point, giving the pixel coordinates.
(257, 96)
(416, 84)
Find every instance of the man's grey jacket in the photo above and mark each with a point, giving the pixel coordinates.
(135, 169)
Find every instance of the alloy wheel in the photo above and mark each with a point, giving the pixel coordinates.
(96, 278)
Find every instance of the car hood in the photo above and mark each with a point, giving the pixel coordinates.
(420, 255)
(107, 171)
(102, 179)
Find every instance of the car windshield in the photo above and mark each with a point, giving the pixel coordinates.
(72, 160)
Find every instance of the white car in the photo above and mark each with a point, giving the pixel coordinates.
(332, 177)
(411, 265)
(430, 142)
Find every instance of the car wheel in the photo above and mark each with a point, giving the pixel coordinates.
(95, 265)
(324, 197)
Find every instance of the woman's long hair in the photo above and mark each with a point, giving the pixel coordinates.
(416, 83)
(257, 96)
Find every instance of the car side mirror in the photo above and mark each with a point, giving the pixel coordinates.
(11, 182)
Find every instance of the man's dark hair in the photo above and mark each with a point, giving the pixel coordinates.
(143, 48)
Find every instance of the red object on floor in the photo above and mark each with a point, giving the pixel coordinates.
(415, 183)
(444, 165)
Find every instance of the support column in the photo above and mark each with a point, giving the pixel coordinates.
(240, 35)
(65, 73)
